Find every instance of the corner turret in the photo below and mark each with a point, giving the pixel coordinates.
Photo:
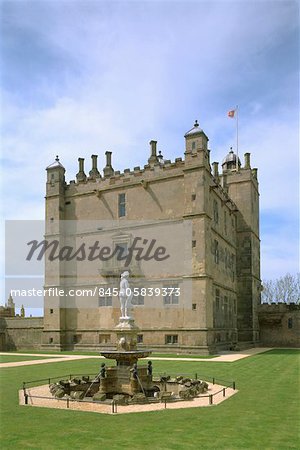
(55, 178)
(195, 139)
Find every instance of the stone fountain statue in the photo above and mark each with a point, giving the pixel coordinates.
(125, 377)
(125, 296)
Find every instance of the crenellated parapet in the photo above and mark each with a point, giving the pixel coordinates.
(199, 182)
(281, 307)
(137, 175)
(155, 169)
(196, 156)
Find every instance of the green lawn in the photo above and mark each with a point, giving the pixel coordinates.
(16, 358)
(263, 415)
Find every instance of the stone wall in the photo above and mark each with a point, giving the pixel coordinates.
(279, 325)
(19, 333)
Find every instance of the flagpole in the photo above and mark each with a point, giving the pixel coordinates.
(237, 138)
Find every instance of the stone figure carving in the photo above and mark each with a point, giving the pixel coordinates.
(125, 296)
(149, 368)
(134, 371)
(103, 371)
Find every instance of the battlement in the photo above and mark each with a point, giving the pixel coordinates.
(196, 155)
(157, 169)
(196, 159)
(160, 170)
(280, 307)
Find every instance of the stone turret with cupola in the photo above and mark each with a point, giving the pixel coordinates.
(196, 143)
(54, 313)
(241, 184)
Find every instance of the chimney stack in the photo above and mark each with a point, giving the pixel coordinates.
(81, 176)
(108, 170)
(247, 161)
(215, 170)
(153, 156)
(94, 173)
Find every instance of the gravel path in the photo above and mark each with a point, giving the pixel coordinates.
(225, 357)
(51, 402)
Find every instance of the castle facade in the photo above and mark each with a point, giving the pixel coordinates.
(217, 274)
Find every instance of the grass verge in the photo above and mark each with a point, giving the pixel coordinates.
(263, 415)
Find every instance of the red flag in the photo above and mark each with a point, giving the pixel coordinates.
(231, 113)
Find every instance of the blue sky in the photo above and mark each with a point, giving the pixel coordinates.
(83, 77)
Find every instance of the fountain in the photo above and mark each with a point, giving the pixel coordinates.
(126, 382)
(126, 378)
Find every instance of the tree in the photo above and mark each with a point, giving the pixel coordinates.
(285, 289)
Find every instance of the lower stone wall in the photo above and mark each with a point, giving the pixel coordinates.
(279, 325)
(21, 333)
(2, 341)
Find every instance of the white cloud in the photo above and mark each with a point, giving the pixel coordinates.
(138, 71)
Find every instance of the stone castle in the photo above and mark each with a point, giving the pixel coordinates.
(223, 210)
(223, 310)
